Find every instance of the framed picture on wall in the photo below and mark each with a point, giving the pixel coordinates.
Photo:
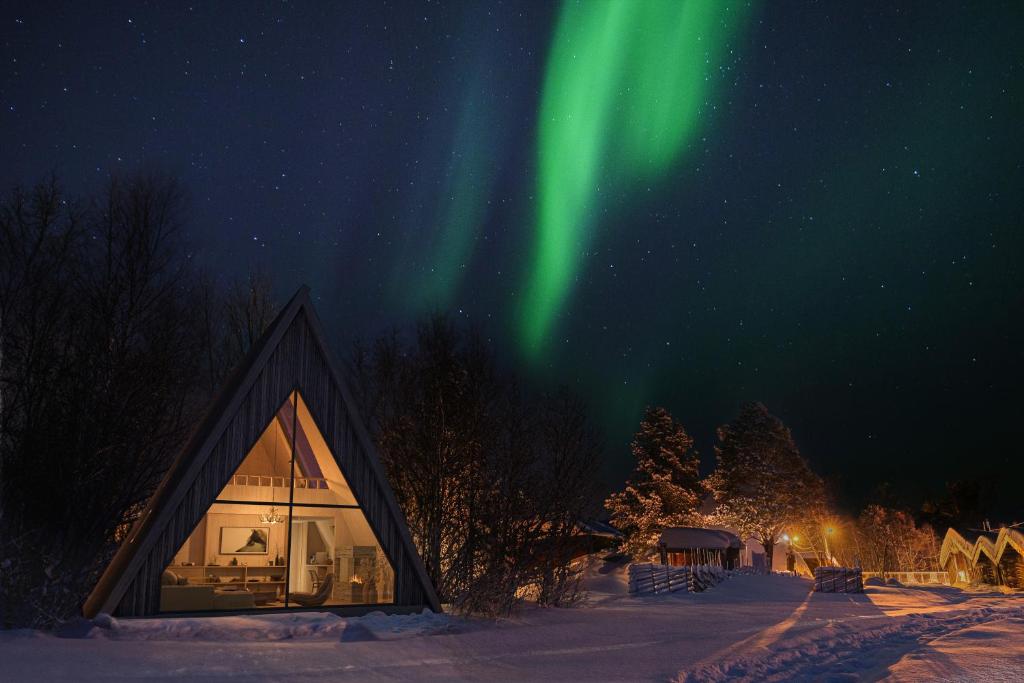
(244, 540)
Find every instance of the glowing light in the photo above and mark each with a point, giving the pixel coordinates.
(626, 88)
(271, 517)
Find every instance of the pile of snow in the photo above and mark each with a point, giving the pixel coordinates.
(264, 627)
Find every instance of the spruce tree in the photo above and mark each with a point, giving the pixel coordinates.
(664, 489)
(761, 484)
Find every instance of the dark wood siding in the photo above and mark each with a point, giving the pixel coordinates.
(298, 361)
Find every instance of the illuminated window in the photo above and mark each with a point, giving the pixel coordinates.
(285, 531)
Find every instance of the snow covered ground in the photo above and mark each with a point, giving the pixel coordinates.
(747, 628)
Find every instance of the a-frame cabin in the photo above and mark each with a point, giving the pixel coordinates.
(277, 501)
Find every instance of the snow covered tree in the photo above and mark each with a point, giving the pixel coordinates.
(760, 483)
(639, 517)
(891, 541)
(664, 489)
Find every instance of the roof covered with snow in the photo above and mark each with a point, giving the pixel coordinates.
(695, 537)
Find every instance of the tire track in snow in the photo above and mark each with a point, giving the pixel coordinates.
(840, 648)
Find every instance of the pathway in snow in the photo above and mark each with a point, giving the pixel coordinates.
(991, 651)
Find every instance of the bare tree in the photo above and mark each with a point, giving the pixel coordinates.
(564, 496)
(490, 482)
(98, 365)
(891, 541)
(101, 353)
(433, 408)
(232, 320)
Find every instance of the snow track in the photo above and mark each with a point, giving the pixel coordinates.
(851, 648)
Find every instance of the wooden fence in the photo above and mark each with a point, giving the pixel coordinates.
(910, 578)
(838, 580)
(648, 578)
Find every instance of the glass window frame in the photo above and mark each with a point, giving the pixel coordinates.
(293, 400)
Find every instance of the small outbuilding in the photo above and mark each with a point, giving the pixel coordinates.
(682, 545)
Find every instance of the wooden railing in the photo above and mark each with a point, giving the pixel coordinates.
(912, 577)
(281, 482)
(648, 578)
(838, 580)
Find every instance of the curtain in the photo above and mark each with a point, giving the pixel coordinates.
(298, 579)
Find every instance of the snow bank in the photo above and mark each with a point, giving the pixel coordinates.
(264, 627)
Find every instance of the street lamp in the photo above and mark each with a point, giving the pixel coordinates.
(790, 558)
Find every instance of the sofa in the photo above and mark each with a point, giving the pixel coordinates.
(197, 598)
(178, 595)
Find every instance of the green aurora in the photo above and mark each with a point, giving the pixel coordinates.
(450, 219)
(626, 89)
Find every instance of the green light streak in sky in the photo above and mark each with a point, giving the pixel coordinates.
(627, 87)
(461, 207)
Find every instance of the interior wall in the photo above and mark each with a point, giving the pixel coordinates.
(314, 543)
(269, 455)
(277, 540)
(194, 548)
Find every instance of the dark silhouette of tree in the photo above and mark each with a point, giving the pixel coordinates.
(101, 354)
(233, 318)
(492, 484)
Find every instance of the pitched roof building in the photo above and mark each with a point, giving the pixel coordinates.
(278, 500)
(994, 557)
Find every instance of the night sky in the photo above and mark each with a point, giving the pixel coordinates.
(815, 205)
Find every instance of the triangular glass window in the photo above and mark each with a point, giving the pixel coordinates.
(285, 531)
